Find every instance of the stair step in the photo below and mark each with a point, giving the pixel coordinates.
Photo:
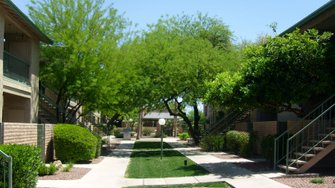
(324, 135)
(290, 168)
(330, 128)
(297, 161)
(325, 142)
(315, 148)
(308, 155)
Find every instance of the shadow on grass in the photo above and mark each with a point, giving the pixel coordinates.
(166, 153)
(150, 145)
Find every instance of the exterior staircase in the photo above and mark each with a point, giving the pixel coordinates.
(298, 152)
(47, 109)
(228, 121)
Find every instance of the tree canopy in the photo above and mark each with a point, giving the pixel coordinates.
(177, 56)
(86, 35)
(285, 70)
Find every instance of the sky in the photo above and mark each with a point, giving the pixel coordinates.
(246, 19)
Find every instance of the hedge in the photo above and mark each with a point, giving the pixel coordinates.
(267, 145)
(26, 162)
(239, 142)
(212, 143)
(183, 136)
(74, 143)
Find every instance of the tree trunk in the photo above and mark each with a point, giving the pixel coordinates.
(196, 122)
(194, 132)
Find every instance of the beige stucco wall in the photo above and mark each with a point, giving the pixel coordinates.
(242, 126)
(34, 69)
(2, 31)
(261, 130)
(16, 109)
(26, 48)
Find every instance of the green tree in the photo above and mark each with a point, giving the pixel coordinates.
(286, 70)
(86, 34)
(178, 56)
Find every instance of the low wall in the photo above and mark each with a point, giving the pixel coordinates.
(40, 135)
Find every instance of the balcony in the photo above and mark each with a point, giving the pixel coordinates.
(15, 68)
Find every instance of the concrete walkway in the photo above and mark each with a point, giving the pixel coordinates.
(109, 173)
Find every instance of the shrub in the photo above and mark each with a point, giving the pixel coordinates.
(43, 170)
(212, 143)
(158, 134)
(238, 142)
(317, 180)
(47, 170)
(67, 168)
(52, 169)
(267, 145)
(99, 145)
(117, 132)
(147, 131)
(74, 143)
(26, 162)
(183, 136)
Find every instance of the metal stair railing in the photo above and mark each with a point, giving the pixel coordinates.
(318, 129)
(48, 107)
(227, 121)
(6, 170)
(281, 140)
(48, 101)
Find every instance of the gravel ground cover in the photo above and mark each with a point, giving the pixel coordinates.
(296, 181)
(74, 174)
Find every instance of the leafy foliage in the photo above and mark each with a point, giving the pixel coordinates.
(74, 143)
(175, 59)
(317, 180)
(67, 168)
(267, 145)
(238, 142)
(286, 70)
(147, 131)
(183, 136)
(47, 169)
(86, 35)
(26, 162)
(99, 145)
(212, 143)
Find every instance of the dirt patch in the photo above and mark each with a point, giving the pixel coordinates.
(74, 174)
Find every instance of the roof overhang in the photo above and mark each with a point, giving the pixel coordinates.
(322, 19)
(16, 14)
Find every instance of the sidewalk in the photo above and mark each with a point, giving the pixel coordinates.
(110, 172)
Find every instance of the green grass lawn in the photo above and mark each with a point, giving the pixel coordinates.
(150, 145)
(214, 184)
(147, 164)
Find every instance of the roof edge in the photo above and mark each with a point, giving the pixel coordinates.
(309, 17)
(44, 37)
